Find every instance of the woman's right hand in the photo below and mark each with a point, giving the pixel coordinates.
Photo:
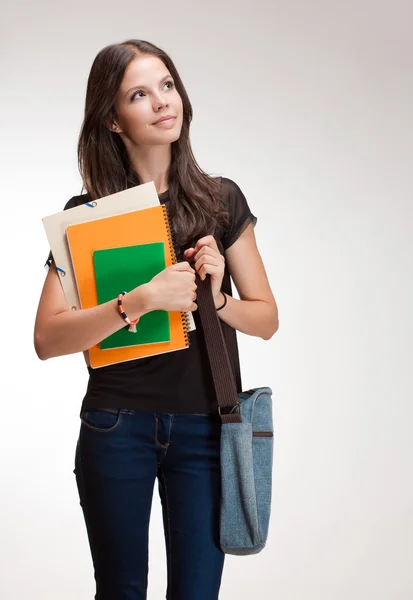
(173, 289)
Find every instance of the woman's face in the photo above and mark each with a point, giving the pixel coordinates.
(146, 94)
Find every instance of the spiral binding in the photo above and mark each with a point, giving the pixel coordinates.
(172, 243)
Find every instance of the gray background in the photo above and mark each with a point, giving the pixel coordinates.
(308, 107)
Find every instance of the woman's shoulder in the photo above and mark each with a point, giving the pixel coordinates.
(229, 186)
(231, 194)
(239, 211)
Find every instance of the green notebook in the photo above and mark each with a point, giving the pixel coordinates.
(123, 269)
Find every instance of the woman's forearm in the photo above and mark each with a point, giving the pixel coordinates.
(253, 317)
(69, 332)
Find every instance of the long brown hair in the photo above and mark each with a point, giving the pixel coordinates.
(195, 206)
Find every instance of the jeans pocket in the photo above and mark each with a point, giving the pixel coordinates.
(101, 419)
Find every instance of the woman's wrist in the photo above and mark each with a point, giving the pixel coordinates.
(220, 300)
(137, 302)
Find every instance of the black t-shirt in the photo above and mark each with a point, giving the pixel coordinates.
(174, 382)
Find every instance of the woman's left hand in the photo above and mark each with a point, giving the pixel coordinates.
(208, 259)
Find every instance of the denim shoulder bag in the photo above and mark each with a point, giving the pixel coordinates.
(246, 440)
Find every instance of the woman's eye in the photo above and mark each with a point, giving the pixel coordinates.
(135, 94)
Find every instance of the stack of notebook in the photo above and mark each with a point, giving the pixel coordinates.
(114, 253)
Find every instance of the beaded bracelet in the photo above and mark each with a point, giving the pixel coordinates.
(132, 324)
(225, 301)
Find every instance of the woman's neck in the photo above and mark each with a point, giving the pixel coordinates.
(152, 163)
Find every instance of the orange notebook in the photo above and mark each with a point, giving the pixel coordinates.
(138, 227)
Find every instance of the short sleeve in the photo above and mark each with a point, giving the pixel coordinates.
(240, 215)
(74, 201)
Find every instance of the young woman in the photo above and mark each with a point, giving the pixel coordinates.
(155, 417)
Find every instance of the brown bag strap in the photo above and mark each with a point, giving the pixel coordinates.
(222, 374)
(230, 337)
(232, 347)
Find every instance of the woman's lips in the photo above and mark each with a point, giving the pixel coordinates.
(166, 121)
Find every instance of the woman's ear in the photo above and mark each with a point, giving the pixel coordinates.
(111, 122)
(115, 127)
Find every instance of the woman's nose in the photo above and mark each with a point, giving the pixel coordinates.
(160, 103)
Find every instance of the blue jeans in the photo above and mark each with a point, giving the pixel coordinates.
(119, 454)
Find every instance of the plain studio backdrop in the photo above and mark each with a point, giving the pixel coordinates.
(308, 107)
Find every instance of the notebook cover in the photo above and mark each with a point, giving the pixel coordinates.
(138, 227)
(118, 269)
